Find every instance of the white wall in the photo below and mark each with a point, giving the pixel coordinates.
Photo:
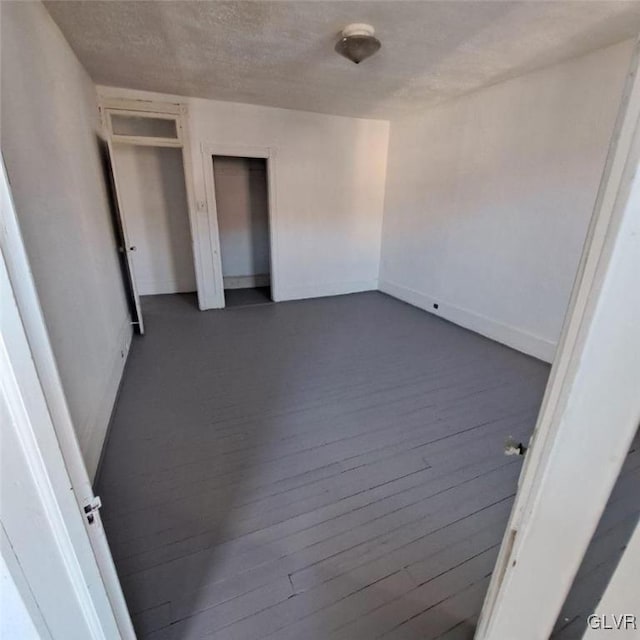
(243, 215)
(489, 196)
(329, 183)
(154, 205)
(50, 147)
(15, 619)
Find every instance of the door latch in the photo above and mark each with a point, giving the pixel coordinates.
(94, 505)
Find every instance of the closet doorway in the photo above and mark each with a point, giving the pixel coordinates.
(239, 194)
(243, 225)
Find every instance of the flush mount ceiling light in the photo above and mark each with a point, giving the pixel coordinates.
(357, 42)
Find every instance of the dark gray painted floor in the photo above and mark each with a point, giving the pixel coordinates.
(328, 468)
(244, 297)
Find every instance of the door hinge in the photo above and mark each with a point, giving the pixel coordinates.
(94, 505)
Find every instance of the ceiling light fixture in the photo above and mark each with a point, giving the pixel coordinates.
(357, 42)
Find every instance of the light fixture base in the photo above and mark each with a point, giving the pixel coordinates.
(357, 42)
(358, 29)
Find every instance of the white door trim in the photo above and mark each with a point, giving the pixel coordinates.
(210, 149)
(590, 411)
(32, 319)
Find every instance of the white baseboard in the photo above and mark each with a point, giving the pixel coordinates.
(247, 282)
(511, 336)
(160, 287)
(325, 289)
(96, 429)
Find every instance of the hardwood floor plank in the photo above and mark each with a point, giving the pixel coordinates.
(309, 563)
(362, 482)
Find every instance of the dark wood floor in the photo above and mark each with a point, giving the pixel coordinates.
(328, 468)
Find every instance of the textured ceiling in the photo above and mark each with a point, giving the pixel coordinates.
(281, 53)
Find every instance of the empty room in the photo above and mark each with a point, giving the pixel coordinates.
(319, 319)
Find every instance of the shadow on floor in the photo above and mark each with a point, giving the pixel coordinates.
(245, 297)
(615, 528)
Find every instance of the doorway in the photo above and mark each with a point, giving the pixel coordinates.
(150, 171)
(242, 205)
(248, 221)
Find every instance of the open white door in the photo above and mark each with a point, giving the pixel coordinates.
(104, 586)
(125, 246)
(591, 408)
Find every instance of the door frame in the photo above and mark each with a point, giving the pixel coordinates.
(39, 391)
(210, 149)
(597, 365)
(200, 242)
